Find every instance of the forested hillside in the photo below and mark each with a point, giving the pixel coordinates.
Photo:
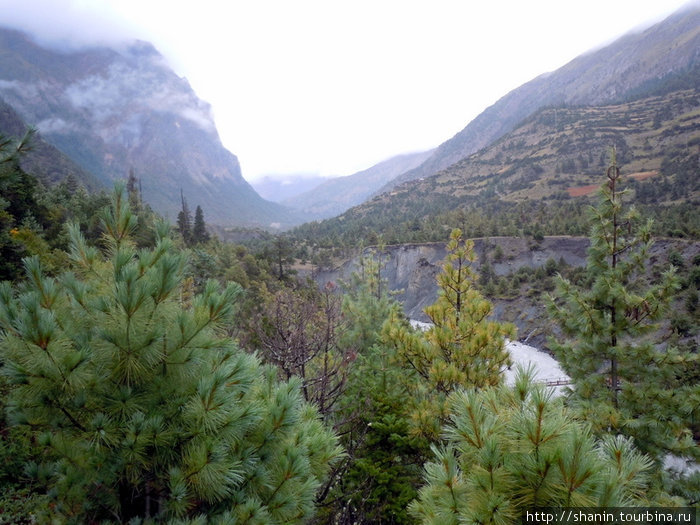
(152, 372)
(158, 368)
(538, 179)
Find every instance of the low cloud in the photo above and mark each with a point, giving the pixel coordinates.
(54, 125)
(140, 86)
(67, 24)
(27, 89)
(9, 85)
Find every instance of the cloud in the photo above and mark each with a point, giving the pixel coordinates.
(27, 89)
(67, 24)
(141, 85)
(54, 125)
(9, 84)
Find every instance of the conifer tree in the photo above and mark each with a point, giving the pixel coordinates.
(366, 302)
(199, 231)
(623, 380)
(143, 408)
(184, 221)
(512, 449)
(381, 471)
(462, 349)
(132, 189)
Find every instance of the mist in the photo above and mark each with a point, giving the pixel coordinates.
(68, 25)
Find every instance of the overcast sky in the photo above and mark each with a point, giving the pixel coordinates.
(328, 87)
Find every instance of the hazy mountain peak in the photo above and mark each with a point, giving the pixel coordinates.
(113, 110)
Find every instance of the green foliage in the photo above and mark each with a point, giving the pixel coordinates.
(19, 499)
(624, 380)
(199, 230)
(19, 209)
(381, 472)
(513, 449)
(142, 407)
(184, 221)
(367, 302)
(463, 348)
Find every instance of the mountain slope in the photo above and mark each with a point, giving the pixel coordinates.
(336, 195)
(560, 152)
(114, 110)
(278, 188)
(45, 162)
(625, 68)
(535, 177)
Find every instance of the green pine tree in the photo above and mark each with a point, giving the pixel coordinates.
(462, 349)
(381, 471)
(367, 303)
(19, 209)
(512, 449)
(184, 221)
(624, 381)
(199, 231)
(143, 407)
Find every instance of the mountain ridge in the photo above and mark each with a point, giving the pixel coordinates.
(334, 196)
(537, 177)
(112, 111)
(599, 76)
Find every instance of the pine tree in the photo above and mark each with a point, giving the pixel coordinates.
(463, 348)
(184, 221)
(199, 231)
(512, 449)
(381, 471)
(623, 380)
(143, 408)
(367, 304)
(132, 189)
(279, 250)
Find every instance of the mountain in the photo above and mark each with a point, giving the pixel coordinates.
(536, 177)
(46, 162)
(113, 110)
(278, 188)
(633, 64)
(561, 153)
(535, 156)
(334, 196)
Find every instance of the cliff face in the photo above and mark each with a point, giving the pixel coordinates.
(410, 272)
(46, 162)
(113, 110)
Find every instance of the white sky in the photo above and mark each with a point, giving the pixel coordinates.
(330, 87)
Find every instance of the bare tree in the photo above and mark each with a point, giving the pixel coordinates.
(299, 331)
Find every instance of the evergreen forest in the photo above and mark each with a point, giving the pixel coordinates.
(154, 373)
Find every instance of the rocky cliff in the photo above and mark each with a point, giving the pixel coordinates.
(114, 110)
(410, 272)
